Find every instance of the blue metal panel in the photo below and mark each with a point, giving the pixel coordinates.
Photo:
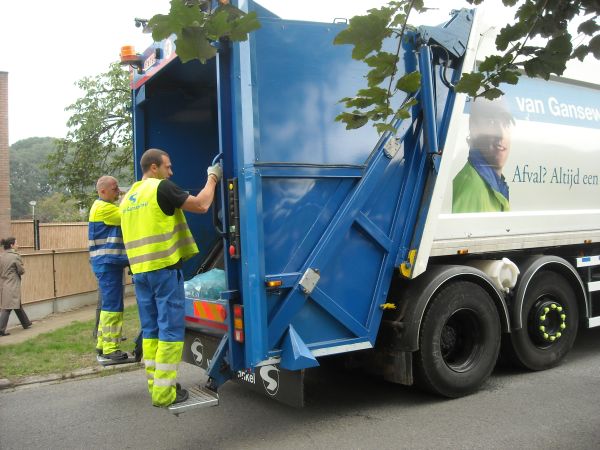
(299, 88)
(250, 193)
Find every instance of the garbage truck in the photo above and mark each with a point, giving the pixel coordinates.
(416, 254)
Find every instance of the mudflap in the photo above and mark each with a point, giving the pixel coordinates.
(271, 380)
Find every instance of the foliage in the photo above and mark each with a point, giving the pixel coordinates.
(28, 177)
(366, 34)
(61, 351)
(99, 140)
(59, 208)
(197, 27)
(544, 21)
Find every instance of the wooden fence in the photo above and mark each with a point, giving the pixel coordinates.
(53, 236)
(51, 274)
(61, 268)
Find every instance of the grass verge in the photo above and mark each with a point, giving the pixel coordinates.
(61, 351)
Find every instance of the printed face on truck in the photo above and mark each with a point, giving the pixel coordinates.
(490, 127)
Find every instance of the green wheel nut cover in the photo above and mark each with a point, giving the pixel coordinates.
(550, 335)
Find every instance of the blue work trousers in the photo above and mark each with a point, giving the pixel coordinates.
(110, 285)
(161, 303)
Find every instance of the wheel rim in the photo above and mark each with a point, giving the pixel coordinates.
(547, 321)
(461, 340)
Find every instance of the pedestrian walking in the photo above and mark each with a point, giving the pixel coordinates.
(11, 270)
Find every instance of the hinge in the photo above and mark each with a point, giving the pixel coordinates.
(309, 280)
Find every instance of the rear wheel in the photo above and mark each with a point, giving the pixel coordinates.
(459, 340)
(550, 320)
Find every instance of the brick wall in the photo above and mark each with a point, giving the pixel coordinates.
(4, 158)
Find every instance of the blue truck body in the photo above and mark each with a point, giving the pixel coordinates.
(319, 220)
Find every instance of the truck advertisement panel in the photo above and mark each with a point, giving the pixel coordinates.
(532, 155)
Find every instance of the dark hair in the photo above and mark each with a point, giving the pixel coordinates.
(8, 242)
(152, 156)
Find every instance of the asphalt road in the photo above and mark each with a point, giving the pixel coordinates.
(555, 409)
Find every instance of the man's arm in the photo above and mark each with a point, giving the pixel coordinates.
(201, 202)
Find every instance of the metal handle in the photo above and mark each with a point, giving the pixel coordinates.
(215, 216)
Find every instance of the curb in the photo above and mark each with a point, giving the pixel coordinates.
(5, 383)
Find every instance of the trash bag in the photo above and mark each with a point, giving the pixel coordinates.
(207, 285)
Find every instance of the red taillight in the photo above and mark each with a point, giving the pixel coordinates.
(238, 323)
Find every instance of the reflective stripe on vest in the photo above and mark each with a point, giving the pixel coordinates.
(153, 240)
(105, 241)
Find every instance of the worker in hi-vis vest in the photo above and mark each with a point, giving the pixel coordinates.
(158, 240)
(108, 258)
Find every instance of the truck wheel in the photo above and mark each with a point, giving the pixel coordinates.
(550, 320)
(459, 340)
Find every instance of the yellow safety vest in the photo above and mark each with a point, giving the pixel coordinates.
(152, 239)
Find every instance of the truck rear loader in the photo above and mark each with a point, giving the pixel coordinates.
(414, 254)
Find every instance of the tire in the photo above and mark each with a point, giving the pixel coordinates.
(533, 348)
(459, 340)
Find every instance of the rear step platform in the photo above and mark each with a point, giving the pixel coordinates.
(200, 397)
(110, 362)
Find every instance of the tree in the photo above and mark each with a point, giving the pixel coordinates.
(59, 208)
(99, 140)
(544, 22)
(28, 177)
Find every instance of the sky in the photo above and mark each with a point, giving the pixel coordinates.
(49, 45)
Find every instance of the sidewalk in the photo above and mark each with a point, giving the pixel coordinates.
(53, 322)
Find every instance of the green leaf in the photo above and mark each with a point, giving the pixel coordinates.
(383, 66)
(366, 33)
(589, 27)
(194, 44)
(352, 120)
(161, 27)
(594, 46)
(218, 25)
(241, 27)
(535, 67)
(410, 82)
(580, 52)
(492, 93)
(358, 102)
(382, 127)
(470, 83)
(490, 63)
(509, 34)
(508, 76)
(375, 93)
(403, 113)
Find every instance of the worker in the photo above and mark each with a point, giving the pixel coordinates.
(480, 186)
(158, 240)
(108, 258)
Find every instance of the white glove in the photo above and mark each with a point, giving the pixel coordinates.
(215, 170)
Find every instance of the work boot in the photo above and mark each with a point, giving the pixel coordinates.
(116, 355)
(181, 395)
(4, 333)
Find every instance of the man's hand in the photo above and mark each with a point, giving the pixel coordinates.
(215, 170)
